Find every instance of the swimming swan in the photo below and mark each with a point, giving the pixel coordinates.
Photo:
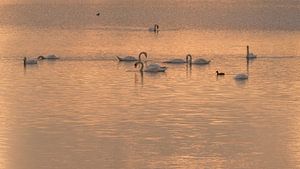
(241, 76)
(50, 57)
(154, 29)
(29, 61)
(151, 68)
(250, 55)
(198, 61)
(178, 61)
(131, 58)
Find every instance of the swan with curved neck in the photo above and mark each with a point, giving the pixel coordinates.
(198, 61)
(132, 58)
(29, 61)
(151, 68)
(188, 58)
(250, 55)
(142, 54)
(50, 57)
(139, 63)
(154, 29)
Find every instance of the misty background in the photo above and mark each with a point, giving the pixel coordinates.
(170, 14)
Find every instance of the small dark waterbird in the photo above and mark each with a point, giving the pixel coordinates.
(220, 73)
(98, 14)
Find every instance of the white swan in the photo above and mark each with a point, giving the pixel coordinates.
(50, 57)
(199, 61)
(154, 29)
(29, 61)
(241, 76)
(151, 68)
(127, 58)
(131, 58)
(178, 61)
(250, 55)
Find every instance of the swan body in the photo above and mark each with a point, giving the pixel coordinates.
(199, 61)
(175, 61)
(241, 76)
(250, 55)
(154, 67)
(188, 59)
(220, 73)
(127, 58)
(29, 61)
(132, 58)
(154, 29)
(50, 57)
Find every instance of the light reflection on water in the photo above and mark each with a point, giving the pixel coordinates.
(87, 110)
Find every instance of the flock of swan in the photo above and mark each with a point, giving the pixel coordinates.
(153, 67)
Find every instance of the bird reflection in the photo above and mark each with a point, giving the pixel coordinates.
(30, 66)
(137, 76)
(188, 69)
(248, 60)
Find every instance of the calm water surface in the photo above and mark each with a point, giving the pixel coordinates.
(87, 110)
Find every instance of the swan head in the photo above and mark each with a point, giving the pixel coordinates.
(143, 53)
(188, 58)
(41, 57)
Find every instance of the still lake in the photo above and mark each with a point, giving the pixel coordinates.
(87, 110)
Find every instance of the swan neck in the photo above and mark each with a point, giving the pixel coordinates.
(142, 66)
(247, 50)
(140, 55)
(189, 58)
(156, 27)
(140, 63)
(41, 57)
